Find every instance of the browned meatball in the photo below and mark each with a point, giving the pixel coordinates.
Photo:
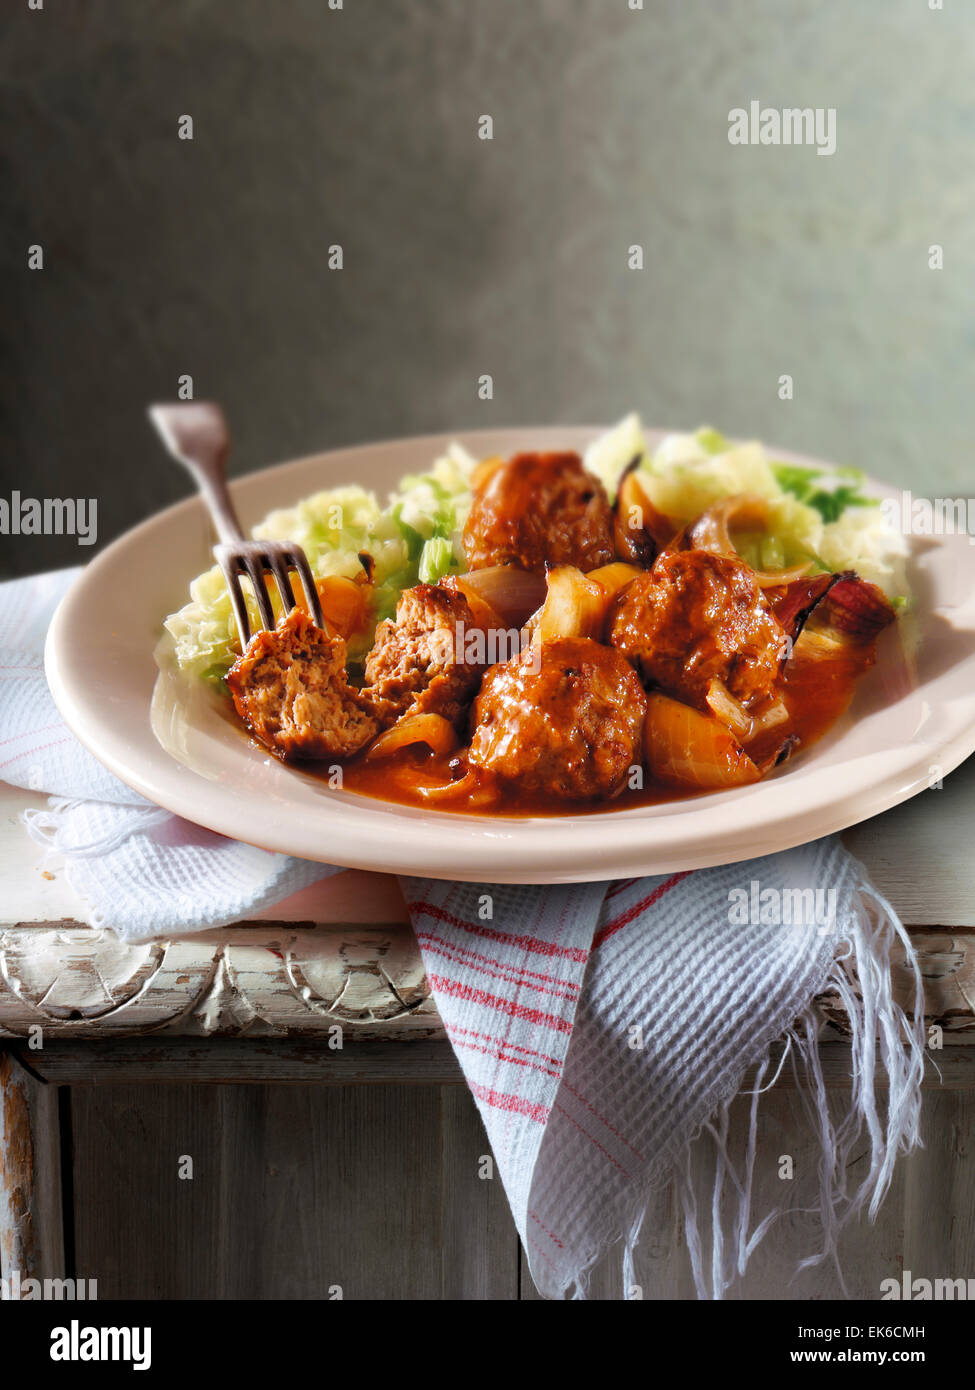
(291, 691)
(540, 509)
(694, 616)
(566, 719)
(423, 662)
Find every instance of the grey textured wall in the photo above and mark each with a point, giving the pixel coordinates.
(465, 256)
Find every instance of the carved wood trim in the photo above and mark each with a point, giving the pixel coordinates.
(254, 979)
(260, 979)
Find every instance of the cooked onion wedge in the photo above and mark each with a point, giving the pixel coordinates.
(855, 609)
(575, 606)
(840, 657)
(858, 608)
(683, 745)
(730, 711)
(769, 740)
(797, 600)
(432, 729)
(612, 578)
(513, 593)
(632, 544)
(771, 717)
(485, 615)
(639, 529)
(476, 789)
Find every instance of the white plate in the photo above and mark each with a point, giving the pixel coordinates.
(909, 724)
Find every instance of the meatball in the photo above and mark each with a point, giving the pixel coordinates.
(537, 510)
(290, 689)
(694, 616)
(420, 664)
(565, 719)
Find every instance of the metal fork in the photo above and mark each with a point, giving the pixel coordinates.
(197, 435)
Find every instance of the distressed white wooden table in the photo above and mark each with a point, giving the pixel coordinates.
(328, 988)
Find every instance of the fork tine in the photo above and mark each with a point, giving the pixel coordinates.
(229, 564)
(279, 569)
(298, 560)
(256, 576)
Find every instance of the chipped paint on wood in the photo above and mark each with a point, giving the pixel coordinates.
(17, 1243)
(947, 963)
(253, 979)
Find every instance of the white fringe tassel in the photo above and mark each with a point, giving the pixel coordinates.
(882, 1033)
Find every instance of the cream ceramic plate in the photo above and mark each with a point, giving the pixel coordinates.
(912, 720)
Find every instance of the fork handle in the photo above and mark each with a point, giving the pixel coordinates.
(198, 437)
(209, 476)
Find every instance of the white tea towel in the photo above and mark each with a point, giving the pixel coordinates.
(603, 1028)
(137, 868)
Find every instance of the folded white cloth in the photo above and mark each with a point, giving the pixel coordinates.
(130, 862)
(604, 1029)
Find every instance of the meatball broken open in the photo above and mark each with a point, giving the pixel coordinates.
(565, 719)
(290, 689)
(537, 510)
(419, 664)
